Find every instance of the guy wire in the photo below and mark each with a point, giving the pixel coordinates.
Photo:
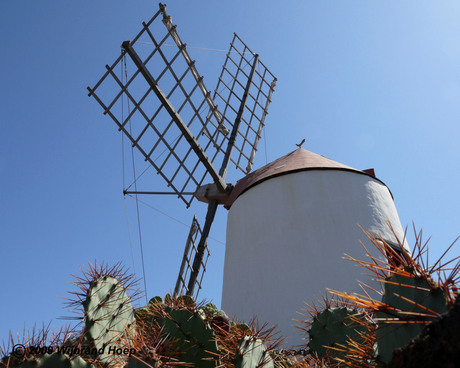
(135, 188)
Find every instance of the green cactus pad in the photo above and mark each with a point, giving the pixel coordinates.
(252, 354)
(244, 327)
(187, 300)
(26, 364)
(168, 299)
(56, 360)
(136, 363)
(108, 313)
(391, 335)
(194, 338)
(156, 300)
(332, 328)
(211, 310)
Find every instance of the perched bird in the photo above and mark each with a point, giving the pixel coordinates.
(300, 144)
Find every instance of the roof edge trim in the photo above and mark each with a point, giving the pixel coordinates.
(233, 198)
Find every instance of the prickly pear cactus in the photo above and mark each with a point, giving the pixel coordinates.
(333, 328)
(156, 300)
(252, 354)
(185, 328)
(217, 318)
(108, 314)
(408, 300)
(144, 313)
(187, 301)
(136, 363)
(193, 336)
(56, 360)
(211, 310)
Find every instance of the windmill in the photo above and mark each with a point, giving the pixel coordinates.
(186, 133)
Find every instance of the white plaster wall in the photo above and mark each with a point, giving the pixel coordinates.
(286, 238)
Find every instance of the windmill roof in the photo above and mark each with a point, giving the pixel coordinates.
(298, 160)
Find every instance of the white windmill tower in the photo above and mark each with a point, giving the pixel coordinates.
(289, 225)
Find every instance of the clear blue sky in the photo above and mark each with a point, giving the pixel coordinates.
(367, 83)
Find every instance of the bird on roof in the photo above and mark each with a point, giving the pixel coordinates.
(300, 144)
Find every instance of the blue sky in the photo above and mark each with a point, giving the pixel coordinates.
(367, 83)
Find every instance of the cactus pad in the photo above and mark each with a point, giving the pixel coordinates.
(193, 336)
(399, 320)
(56, 360)
(333, 328)
(252, 354)
(108, 312)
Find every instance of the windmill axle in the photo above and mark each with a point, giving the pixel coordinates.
(210, 192)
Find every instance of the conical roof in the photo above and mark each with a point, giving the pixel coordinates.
(298, 160)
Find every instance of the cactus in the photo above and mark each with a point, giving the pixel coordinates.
(437, 346)
(44, 347)
(411, 299)
(193, 336)
(136, 363)
(185, 333)
(252, 354)
(151, 347)
(186, 301)
(108, 313)
(409, 303)
(210, 310)
(145, 313)
(247, 346)
(217, 318)
(56, 360)
(155, 300)
(332, 330)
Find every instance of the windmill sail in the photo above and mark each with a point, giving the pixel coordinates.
(186, 264)
(229, 91)
(149, 124)
(153, 128)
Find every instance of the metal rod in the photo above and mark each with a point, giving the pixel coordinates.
(177, 119)
(170, 193)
